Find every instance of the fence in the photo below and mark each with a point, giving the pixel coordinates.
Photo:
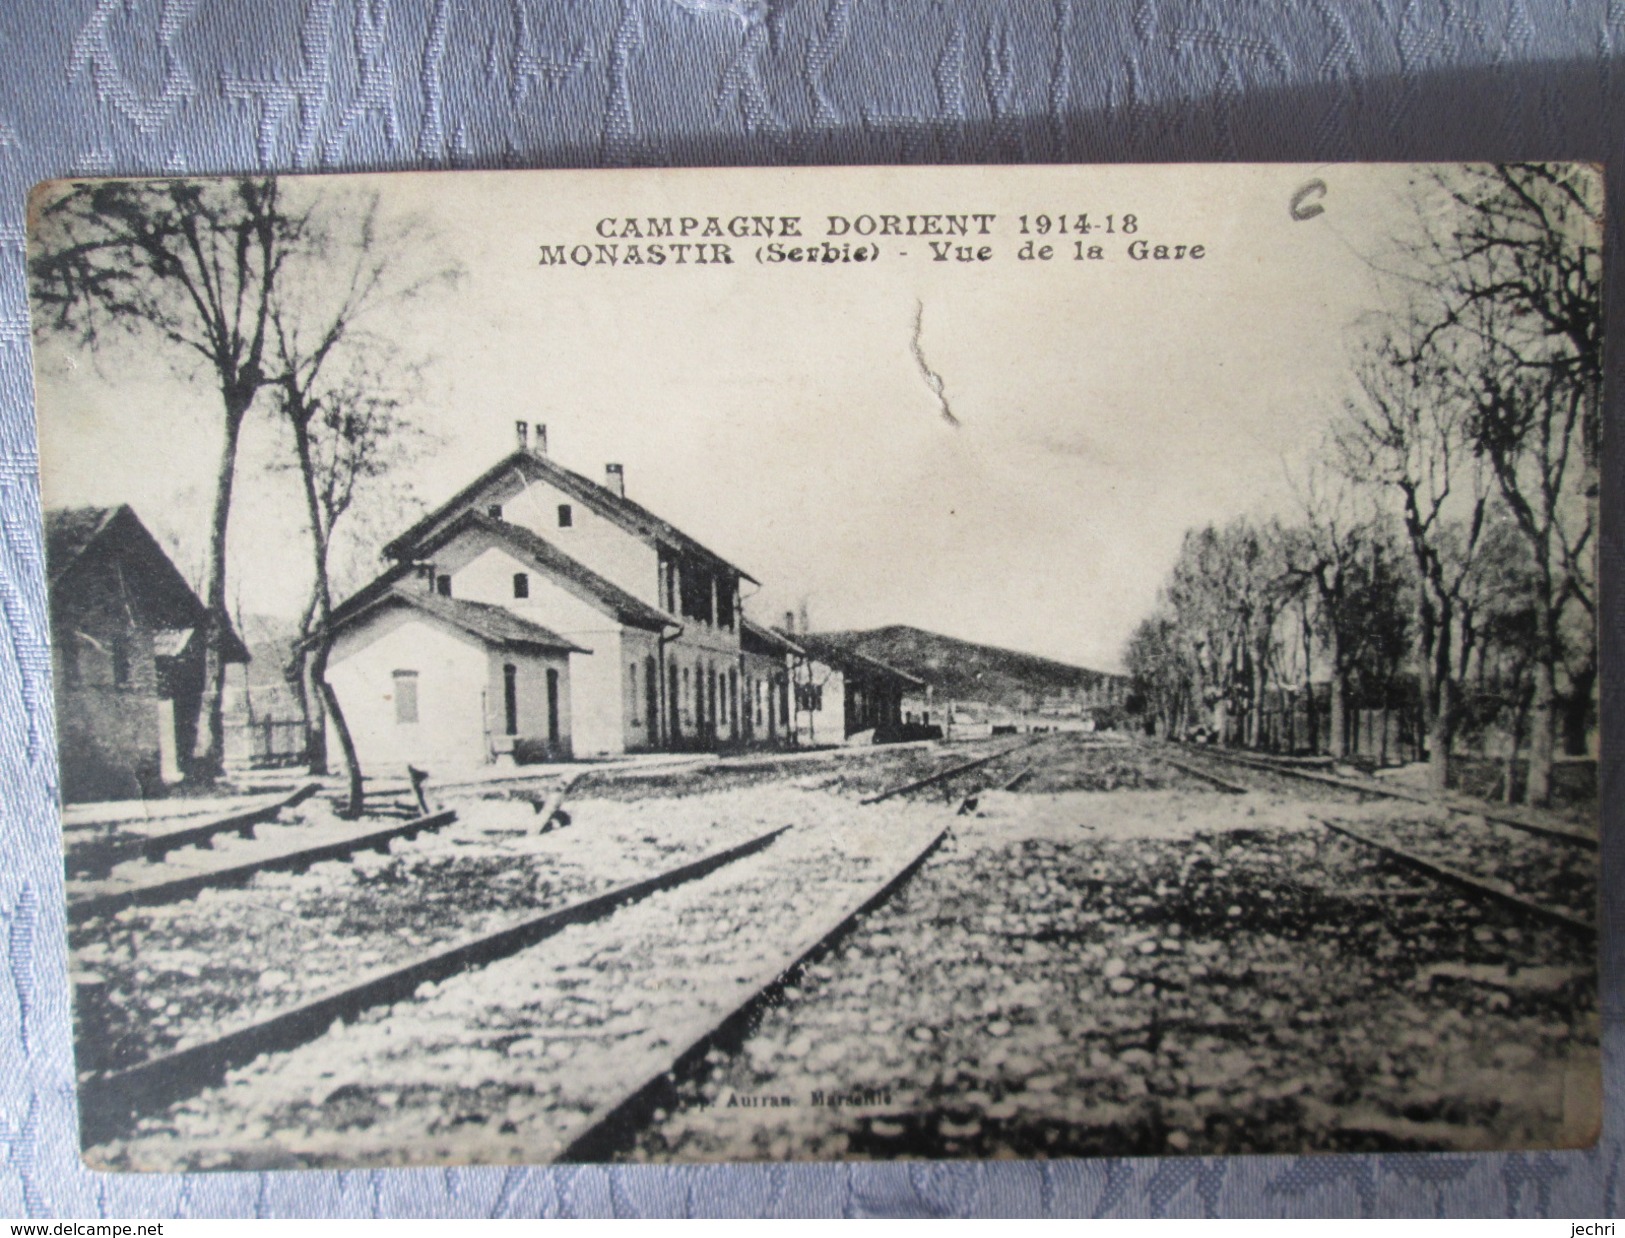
(267, 743)
(1388, 736)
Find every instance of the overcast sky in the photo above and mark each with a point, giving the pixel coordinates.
(779, 414)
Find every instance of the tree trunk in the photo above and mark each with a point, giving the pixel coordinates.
(315, 721)
(1542, 729)
(1576, 710)
(1509, 792)
(356, 801)
(1438, 753)
(324, 620)
(208, 753)
(297, 675)
(306, 692)
(1260, 686)
(1337, 724)
(1307, 633)
(1441, 731)
(1311, 723)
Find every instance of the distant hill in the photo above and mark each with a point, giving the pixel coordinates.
(961, 670)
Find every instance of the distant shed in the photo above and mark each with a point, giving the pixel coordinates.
(842, 695)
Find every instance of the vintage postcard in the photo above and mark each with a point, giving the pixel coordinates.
(825, 663)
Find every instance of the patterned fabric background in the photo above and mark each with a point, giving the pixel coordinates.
(177, 86)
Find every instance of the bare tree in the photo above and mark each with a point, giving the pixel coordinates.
(1267, 594)
(1161, 675)
(1500, 606)
(195, 265)
(347, 431)
(1224, 596)
(1516, 271)
(1198, 594)
(340, 389)
(1335, 554)
(1320, 559)
(1405, 435)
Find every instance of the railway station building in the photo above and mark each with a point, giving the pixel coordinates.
(639, 623)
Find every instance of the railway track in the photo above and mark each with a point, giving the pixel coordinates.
(152, 840)
(1474, 858)
(531, 1043)
(957, 770)
(152, 882)
(114, 1102)
(611, 1127)
(1550, 829)
(1208, 776)
(110, 1101)
(1488, 887)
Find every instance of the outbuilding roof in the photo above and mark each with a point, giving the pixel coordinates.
(69, 531)
(492, 624)
(531, 466)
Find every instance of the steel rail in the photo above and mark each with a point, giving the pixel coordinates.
(1559, 833)
(942, 775)
(1498, 890)
(613, 1125)
(100, 858)
(969, 803)
(1021, 776)
(1233, 788)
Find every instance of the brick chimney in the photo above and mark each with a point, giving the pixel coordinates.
(789, 623)
(541, 439)
(615, 480)
(522, 429)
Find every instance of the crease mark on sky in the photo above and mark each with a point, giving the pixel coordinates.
(933, 380)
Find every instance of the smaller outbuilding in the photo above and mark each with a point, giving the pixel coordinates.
(447, 683)
(127, 638)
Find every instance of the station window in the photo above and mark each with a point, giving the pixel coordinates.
(442, 586)
(566, 516)
(521, 584)
(510, 699)
(494, 511)
(406, 696)
(121, 662)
